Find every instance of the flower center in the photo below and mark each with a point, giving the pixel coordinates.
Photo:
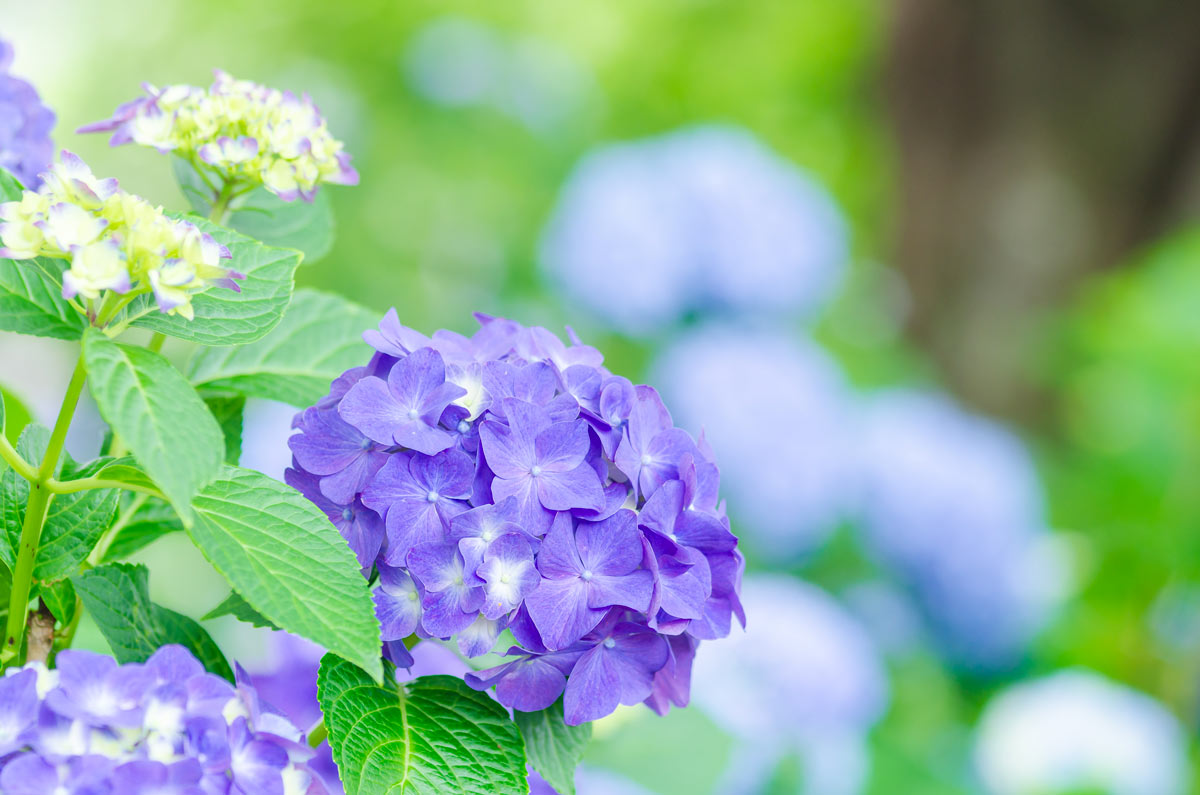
(609, 643)
(432, 496)
(488, 535)
(413, 414)
(365, 444)
(647, 460)
(347, 514)
(463, 426)
(537, 470)
(587, 575)
(504, 578)
(412, 596)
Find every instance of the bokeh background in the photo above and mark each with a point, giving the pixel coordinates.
(926, 272)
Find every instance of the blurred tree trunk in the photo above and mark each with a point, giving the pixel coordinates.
(1038, 140)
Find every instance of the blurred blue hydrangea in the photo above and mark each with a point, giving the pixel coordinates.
(1075, 731)
(706, 218)
(951, 503)
(776, 409)
(25, 123)
(803, 678)
(460, 62)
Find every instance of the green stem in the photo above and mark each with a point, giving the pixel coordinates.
(219, 214)
(87, 484)
(156, 341)
(35, 517)
(317, 734)
(14, 459)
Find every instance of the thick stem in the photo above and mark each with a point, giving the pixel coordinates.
(219, 214)
(41, 635)
(35, 517)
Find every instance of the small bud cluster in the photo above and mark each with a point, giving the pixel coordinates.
(115, 241)
(509, 481)
(243, 132)
(93, 726)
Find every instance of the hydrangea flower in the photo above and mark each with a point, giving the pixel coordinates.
(115, 242)
(25, 123)
(951, 503)
(1075, 731)
(163, 726)
(705, 218)
(243, 133)
(805, 678)
(509, 481)
(778, 409)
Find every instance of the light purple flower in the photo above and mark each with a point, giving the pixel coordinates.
(509, 574)
(586, 570)
(530, 682)
(450, 603)
(418, 496)
(335, 450)
(540, 463)
(405, 409)
(397, 603)
(652, 448)
(618, 669)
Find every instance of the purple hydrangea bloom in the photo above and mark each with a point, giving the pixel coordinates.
(706, 218)
(25, 123)
(524, 487)
(163, 726)
(952, 504)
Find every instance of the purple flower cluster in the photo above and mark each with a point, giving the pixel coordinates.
(509, 481)
(25, 123)
(165, 726)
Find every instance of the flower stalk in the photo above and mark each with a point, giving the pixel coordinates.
(35, 518)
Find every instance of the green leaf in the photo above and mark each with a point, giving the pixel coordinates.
(307, 226)
(432, 735)
(554, 748)
(152, 520)
(162, 420)
(177, 628)
(117, 596)
(236, 606)
(320, 338)
(14, 414)
(231, 317)
(60, 598)
(229, 411)
(31, 299)
(288, 561)
(74, 524)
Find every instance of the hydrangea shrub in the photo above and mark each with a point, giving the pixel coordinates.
(507, 480)
(502, 484)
